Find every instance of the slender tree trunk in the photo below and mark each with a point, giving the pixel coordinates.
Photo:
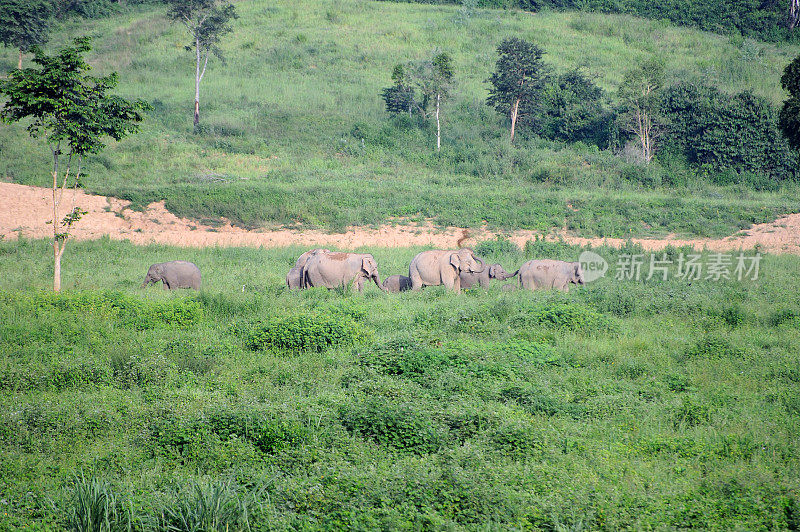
(438, 126)
(19, 64)
(514, 112)
(56, 250)
(794, 13)
(197, 85)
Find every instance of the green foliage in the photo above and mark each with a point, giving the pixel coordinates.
(95, 507)
(496, 247)
(24, 23)
(394, 425)
(714, 346)
(518, 80)
(572, 109)
(304, 333)
(718, 133)
(185, 439)
(213, 506)
(753, 18)
(66, 104)
(789, 117)
(567, 316)
(459, 410)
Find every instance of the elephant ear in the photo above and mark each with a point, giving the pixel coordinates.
(455, 260)
(495, 270)
(578, 271)
(369, 265)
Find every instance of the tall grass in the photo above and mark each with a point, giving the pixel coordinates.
(618, 405)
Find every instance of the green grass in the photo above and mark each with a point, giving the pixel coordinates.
(619, 405)
(294, 123)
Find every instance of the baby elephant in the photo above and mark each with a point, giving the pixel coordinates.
(175, 274)
(397, 283)
(547, 273)
(482, 279)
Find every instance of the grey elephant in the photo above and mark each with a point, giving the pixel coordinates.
(483, 279)
(547, 273)
(175, 274)
(333, 270)
(293, 278)
(443, 267)
(397, 283)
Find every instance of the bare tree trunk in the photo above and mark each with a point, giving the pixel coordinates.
(514, 112)
(794, 13)
(19, 64)
(56, 254)
(438, 126)
(197, 84)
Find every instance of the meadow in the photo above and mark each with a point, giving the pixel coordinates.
(294, 131)
(620, 405)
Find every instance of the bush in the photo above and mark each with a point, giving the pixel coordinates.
(398, 426)
(566, 316)
(713, 346)
(730, 139)
(304, 333)
(498, 246)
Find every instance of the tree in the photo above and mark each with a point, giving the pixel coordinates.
(399, 98)
(517, 81)
(207, 21)
(640, 99)
(74, 112)
(572, 109)
(24, 24)
(433, 78)
(789, 118)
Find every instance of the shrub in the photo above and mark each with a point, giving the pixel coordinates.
(517, 438)
(496, 247)
(398, 426)
(304, 333)
(568, 317)
(713, 346)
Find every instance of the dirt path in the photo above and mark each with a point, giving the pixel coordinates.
(25, 211)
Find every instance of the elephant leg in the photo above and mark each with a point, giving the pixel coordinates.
(358, 284)
(416, 281)
(165, 284)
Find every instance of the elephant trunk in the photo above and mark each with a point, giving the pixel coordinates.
(147, 281)
(378, 283)
(513, 274)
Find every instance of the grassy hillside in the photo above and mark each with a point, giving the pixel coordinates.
(294, 125)
(620, 405)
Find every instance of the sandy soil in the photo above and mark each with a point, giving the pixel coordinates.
(25, 211)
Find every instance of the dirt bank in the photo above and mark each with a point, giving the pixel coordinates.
(25, 211)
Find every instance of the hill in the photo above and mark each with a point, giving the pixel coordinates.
(294, 132)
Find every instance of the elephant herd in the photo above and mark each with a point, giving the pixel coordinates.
(453, 269)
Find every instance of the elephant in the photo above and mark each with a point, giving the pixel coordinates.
(397, 283)
(547, 273)
(495, 271)
(175, 274)
(443, 267)
(332, 270)
(293, 277)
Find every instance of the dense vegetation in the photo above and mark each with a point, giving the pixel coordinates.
(619, 405)
(294, 129)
